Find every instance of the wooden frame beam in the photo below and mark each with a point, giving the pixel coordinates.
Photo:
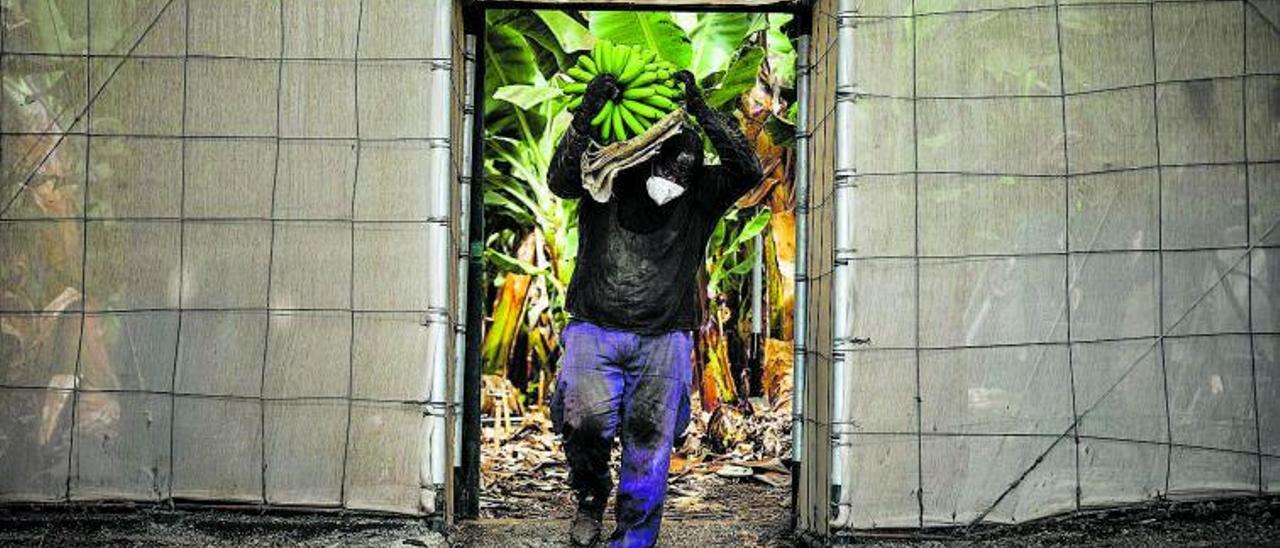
(662, 5)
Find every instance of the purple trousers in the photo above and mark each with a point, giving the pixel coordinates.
(615, 382)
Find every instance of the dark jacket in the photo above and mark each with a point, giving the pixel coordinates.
(638, 262)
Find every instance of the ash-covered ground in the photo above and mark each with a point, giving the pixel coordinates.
(760, 520)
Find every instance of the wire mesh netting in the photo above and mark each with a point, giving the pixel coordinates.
(1061, 254)
(218, 229)
(219, 221)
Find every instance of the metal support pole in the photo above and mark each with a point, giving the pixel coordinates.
(842, 274)
(434, 471)
(469, 493)
(464, 239)
(801, 311)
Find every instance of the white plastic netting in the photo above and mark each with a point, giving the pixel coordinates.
(1062, 251)
(219, 220)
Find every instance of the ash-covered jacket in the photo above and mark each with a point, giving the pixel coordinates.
(638, 262)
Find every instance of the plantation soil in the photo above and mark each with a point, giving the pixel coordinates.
(1234, 522)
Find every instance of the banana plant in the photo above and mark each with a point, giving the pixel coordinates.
(532, 259)
(728, 263)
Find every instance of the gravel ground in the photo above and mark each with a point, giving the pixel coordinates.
(150, 526)
(762, 521)
(703, 512)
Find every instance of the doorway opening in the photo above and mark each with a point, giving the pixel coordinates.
(731, 462)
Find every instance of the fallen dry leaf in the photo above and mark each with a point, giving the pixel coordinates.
(734, 471)
(523, 471)
(774, 479)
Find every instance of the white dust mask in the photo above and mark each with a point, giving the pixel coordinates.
(663, 190)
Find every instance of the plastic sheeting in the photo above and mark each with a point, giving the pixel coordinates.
(1062, 225)
(219, 221)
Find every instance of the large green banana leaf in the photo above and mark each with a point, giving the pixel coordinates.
(654, 30)
(782, 54)
(716, 37)
(739, 78)
(570, 34)
(553, 35)
(525, 96)
(508, 61)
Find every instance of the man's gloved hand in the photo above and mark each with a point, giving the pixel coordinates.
(601, 89)
(692, 95)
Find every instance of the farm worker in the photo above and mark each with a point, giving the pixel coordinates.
(633, 302)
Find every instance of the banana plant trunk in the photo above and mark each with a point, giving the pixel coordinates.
(508, 315)
(713, 368)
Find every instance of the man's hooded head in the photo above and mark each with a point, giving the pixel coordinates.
(681, 157)
(674, 168)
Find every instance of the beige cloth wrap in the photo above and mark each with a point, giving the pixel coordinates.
(601, 164)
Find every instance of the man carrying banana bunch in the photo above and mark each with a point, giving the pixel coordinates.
(634, 303)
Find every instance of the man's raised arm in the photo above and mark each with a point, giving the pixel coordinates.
(739, 169)
(565, 174)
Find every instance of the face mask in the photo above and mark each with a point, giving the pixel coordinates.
(662, 190)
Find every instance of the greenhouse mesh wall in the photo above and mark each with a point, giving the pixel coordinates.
(1063, 254)
(216, 245)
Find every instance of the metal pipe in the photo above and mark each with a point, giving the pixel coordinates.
(469, 490)
(463, 240)
(433, 472)
(800, 333)
(842, 275)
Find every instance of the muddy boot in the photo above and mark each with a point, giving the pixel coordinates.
(585, 530)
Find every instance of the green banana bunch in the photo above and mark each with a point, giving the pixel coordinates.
(648, 91)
